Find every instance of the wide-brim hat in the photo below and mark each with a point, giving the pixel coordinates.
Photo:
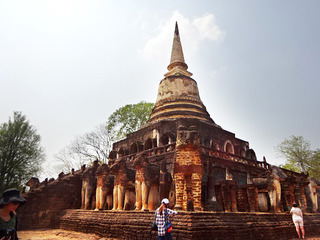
(11, 195)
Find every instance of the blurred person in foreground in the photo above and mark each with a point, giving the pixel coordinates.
(9, 202)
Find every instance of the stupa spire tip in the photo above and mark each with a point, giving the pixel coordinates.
(176, 30)
(177, 64)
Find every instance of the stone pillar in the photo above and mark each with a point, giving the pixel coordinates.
(196, 191)
(233, 196)
(121, 192)
(162, 184)
(140, 188)
(211, 203)
(290, 194)
(138, 195)
(179, 183)
(188, 168)
(187, 192)
(226, 196)
(153, 198)
(115, 197)
(301, 197)
(83, 194)
(99, 194)
(165, 181)
(313, 194)
(252, 193)
(287, 189)
(144, 198)
(228, 189)
(275, 195)
(229, 175)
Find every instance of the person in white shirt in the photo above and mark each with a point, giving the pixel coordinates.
(297, 218)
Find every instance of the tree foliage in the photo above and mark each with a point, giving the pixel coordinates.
(20, 152)
(128, 119)
(299, 156)
(314, 165)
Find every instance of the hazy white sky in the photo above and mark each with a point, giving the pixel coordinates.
(67, 65)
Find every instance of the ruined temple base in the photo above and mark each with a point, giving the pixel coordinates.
(188, 225)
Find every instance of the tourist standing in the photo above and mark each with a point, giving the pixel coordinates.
(9, 202)
(162, 217)
(297, 218)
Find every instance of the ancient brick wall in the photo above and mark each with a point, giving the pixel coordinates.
(242, 199)
(188, 225)
(47, 201)
(188, 172)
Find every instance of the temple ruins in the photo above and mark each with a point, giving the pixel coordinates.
(207, 173)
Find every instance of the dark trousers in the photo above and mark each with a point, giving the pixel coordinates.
(168, 236)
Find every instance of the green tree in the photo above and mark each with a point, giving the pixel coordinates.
(128, 119)
(20, 152)
(314, 165)
(299, 156)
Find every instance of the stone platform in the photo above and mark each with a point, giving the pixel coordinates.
(187, 225)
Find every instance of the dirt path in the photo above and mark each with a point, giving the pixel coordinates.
(308, 238)
(57, 234)
(60, 234)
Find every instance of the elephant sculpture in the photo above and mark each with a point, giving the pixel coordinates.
(123, 190)
(146, 184)
(89, 185)
(104, 187)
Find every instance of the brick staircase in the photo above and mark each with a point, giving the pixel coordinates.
(187, 225)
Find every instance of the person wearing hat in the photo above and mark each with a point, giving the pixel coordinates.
(9, 202)
(161, 217)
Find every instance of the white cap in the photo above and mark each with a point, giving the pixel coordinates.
(165, 201)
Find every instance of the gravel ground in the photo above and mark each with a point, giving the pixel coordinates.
(309, 238)
(58, 234)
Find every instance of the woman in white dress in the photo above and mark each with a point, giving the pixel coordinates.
(297, 218)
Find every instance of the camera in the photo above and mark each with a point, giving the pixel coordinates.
(10, 233)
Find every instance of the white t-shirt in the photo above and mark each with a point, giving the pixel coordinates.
(296, 214)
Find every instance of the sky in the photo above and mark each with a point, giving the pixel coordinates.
(67, 65)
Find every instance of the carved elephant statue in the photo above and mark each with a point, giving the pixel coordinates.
(104, 190)
(123, 191)
(89, 185)
(146, 184)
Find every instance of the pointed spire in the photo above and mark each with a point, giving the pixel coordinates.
(178, 94)
(176, 53)
(177, 64)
